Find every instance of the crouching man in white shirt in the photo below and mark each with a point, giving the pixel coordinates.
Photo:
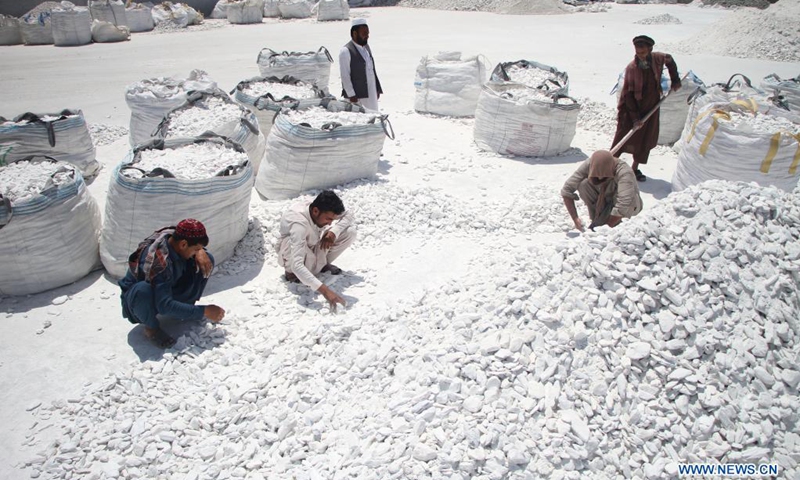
(313, 235)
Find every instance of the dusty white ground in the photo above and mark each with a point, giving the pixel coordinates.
(88, 338)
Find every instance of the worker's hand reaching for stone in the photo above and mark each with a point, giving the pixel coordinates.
(578, 223)
(214, 313)
(332, 297)
(327, 240)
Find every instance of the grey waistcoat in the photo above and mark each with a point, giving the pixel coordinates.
(358, 72)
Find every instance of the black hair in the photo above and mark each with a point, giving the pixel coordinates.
(191, 241)
(328, 201)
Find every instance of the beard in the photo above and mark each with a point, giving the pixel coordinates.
(361, 41)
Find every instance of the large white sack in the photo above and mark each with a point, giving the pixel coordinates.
(244, 131)
(301, 158)
(246, 12)
(789, 89)
(48, 239)
(72, 26)
(533, 74)
(105, 32)
(524, 127)
(111, 11)
(10, 31)
(294, 8)
(179, 14)
(272, 8)
(37, 29)
(449, 85)
(332, 10)
(140, 18)
(674, 109)
(311, 67)
(741, 141)
(738, 87)
(266, 106)
(63, 136)
(136, 207)
(151, 99)
(220, 11)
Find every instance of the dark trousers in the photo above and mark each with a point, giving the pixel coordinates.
(140, 298)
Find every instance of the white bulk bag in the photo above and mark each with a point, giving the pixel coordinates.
(179, 14)
(734, 89)
(332, 10)
(111, 11)
(37, 29)
(136, 207)
(10, 31)
(63, 136)
(449, 85)
(533, 74)
(789, 89)
(294, 8)
(311, 67)
(726, 142)
(220, 11)
(246, 12)
(267, 106)
(151, 99)
(674, 109)
(272, 8)
(48, 239)
(105, 32)
(243, 131)
(72, 26)
(523, 127)
(140, 18)
(301, 158)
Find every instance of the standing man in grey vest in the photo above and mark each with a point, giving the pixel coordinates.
(360, 82)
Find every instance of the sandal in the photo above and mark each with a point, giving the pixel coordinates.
(639, 175)
(291, 277)
(159, 337)
(331, 268)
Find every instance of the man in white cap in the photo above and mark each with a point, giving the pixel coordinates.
(360, 82)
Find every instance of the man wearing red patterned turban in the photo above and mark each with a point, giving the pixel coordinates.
(166, 277)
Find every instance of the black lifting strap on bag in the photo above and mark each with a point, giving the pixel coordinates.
(51, 133)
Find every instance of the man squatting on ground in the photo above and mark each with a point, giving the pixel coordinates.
(607, 186)
(312, 236)
(360, 82)
(166, 277)
(641, 91)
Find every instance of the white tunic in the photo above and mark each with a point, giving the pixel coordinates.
(298, 248)
(371, 102)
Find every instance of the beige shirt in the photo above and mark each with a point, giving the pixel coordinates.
(623, 191)
(300, 236)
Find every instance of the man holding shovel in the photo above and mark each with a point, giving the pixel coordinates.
(641, 93)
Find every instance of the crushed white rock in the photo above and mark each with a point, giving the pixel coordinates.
(22, 180)
(103, 134)
(204, 115)
(189, 162)
(526, 94)
(280, 90)
(44, 118)
(663, 19)
(597, 116)
(533, 77)
(316, 117)
(762, 124)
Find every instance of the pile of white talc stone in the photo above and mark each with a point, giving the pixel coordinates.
(622, 353)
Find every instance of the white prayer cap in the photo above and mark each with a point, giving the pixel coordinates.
(359, 21)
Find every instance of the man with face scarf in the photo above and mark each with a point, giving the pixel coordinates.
(360, 82)
(641, 91)
(607, 186)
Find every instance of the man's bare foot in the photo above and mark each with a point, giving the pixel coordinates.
(158, 337)
(332, 268)
(291, 277)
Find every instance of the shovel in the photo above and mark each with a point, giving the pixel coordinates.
(635, 128)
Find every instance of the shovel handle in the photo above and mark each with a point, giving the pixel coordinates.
(635, 128)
